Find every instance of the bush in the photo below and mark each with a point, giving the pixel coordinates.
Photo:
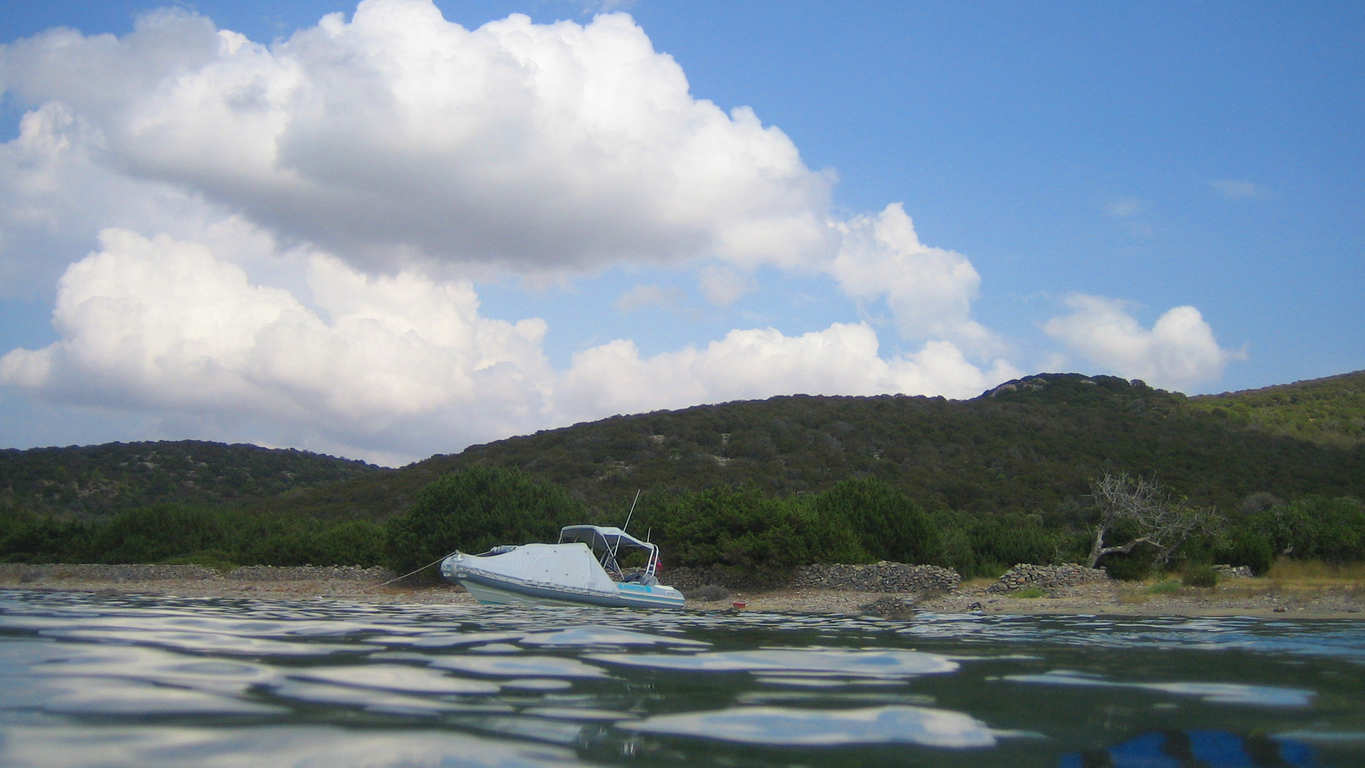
(475, 510)
(1246, 544)
(358, 542)
(987, 545)
(886, 523)
(745, 528)
(1134, 566)
(956, 552)
(30, 539)
(177, 534)
(1200, 576)
(155, 534)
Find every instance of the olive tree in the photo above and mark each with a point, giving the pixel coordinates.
(1143, 508)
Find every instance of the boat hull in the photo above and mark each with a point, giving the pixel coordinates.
(500, 589)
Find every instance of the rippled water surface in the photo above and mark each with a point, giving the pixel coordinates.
(92, 680)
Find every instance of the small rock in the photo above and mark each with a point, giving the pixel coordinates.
(889, 607)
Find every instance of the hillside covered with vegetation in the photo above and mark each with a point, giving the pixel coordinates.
(1030, 446)
(759, 486)
(1328, 411)
(99, 480)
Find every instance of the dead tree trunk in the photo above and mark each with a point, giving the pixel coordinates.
(1143, 503)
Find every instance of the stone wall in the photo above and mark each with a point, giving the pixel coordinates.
(877, 577)
(1024, 576)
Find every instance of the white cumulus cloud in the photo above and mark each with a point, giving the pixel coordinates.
(401, 134)
(387, 364)
(1179, 351)
(842, 359)
(928, 290)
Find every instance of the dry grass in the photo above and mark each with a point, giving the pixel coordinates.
(1317, 572)
(1303, 579)
(1314, 577)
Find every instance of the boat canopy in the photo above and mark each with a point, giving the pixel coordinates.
(600, 537)
(606, 541)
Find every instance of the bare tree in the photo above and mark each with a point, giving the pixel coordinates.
(1159, 522)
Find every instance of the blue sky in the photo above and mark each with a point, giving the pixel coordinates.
(385, 236)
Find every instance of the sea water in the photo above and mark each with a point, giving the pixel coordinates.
(117, 680)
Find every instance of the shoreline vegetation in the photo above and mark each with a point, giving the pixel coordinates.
(1288, 591)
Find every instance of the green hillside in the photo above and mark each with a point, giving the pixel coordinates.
(757, 486)
(100, 480)
(1032, 446)
(1328, 411)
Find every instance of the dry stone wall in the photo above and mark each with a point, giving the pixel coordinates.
(1024, 576)
(877, 577)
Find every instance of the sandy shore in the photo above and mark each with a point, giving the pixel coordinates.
(1237, 597)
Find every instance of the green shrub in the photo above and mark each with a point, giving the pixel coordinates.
(155, 534)
(1134, 566)
(357, 542)
(1200, 576)
(887, 524)
(1246, 544)
(475, 510)
(31, 539)
(747, 529)
(955, 550)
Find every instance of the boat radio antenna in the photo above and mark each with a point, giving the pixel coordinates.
(612, 549)
(632, 510)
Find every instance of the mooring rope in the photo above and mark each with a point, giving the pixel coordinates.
(404, 576)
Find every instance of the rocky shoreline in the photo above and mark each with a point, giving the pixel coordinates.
(891, 590)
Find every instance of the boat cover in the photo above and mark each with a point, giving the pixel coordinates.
(569, 565)
(596, 536)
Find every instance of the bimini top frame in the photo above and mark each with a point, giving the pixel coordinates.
(606, 541)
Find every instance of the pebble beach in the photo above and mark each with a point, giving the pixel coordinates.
(1234, 597)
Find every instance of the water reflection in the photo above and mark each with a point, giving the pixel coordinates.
(116, 680)
(856, 663)
(1221, 693)
(826, 728)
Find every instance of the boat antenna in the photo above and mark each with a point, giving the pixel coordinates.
(632, 509)
(614, 549)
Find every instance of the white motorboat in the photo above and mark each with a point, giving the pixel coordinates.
(581, 569)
